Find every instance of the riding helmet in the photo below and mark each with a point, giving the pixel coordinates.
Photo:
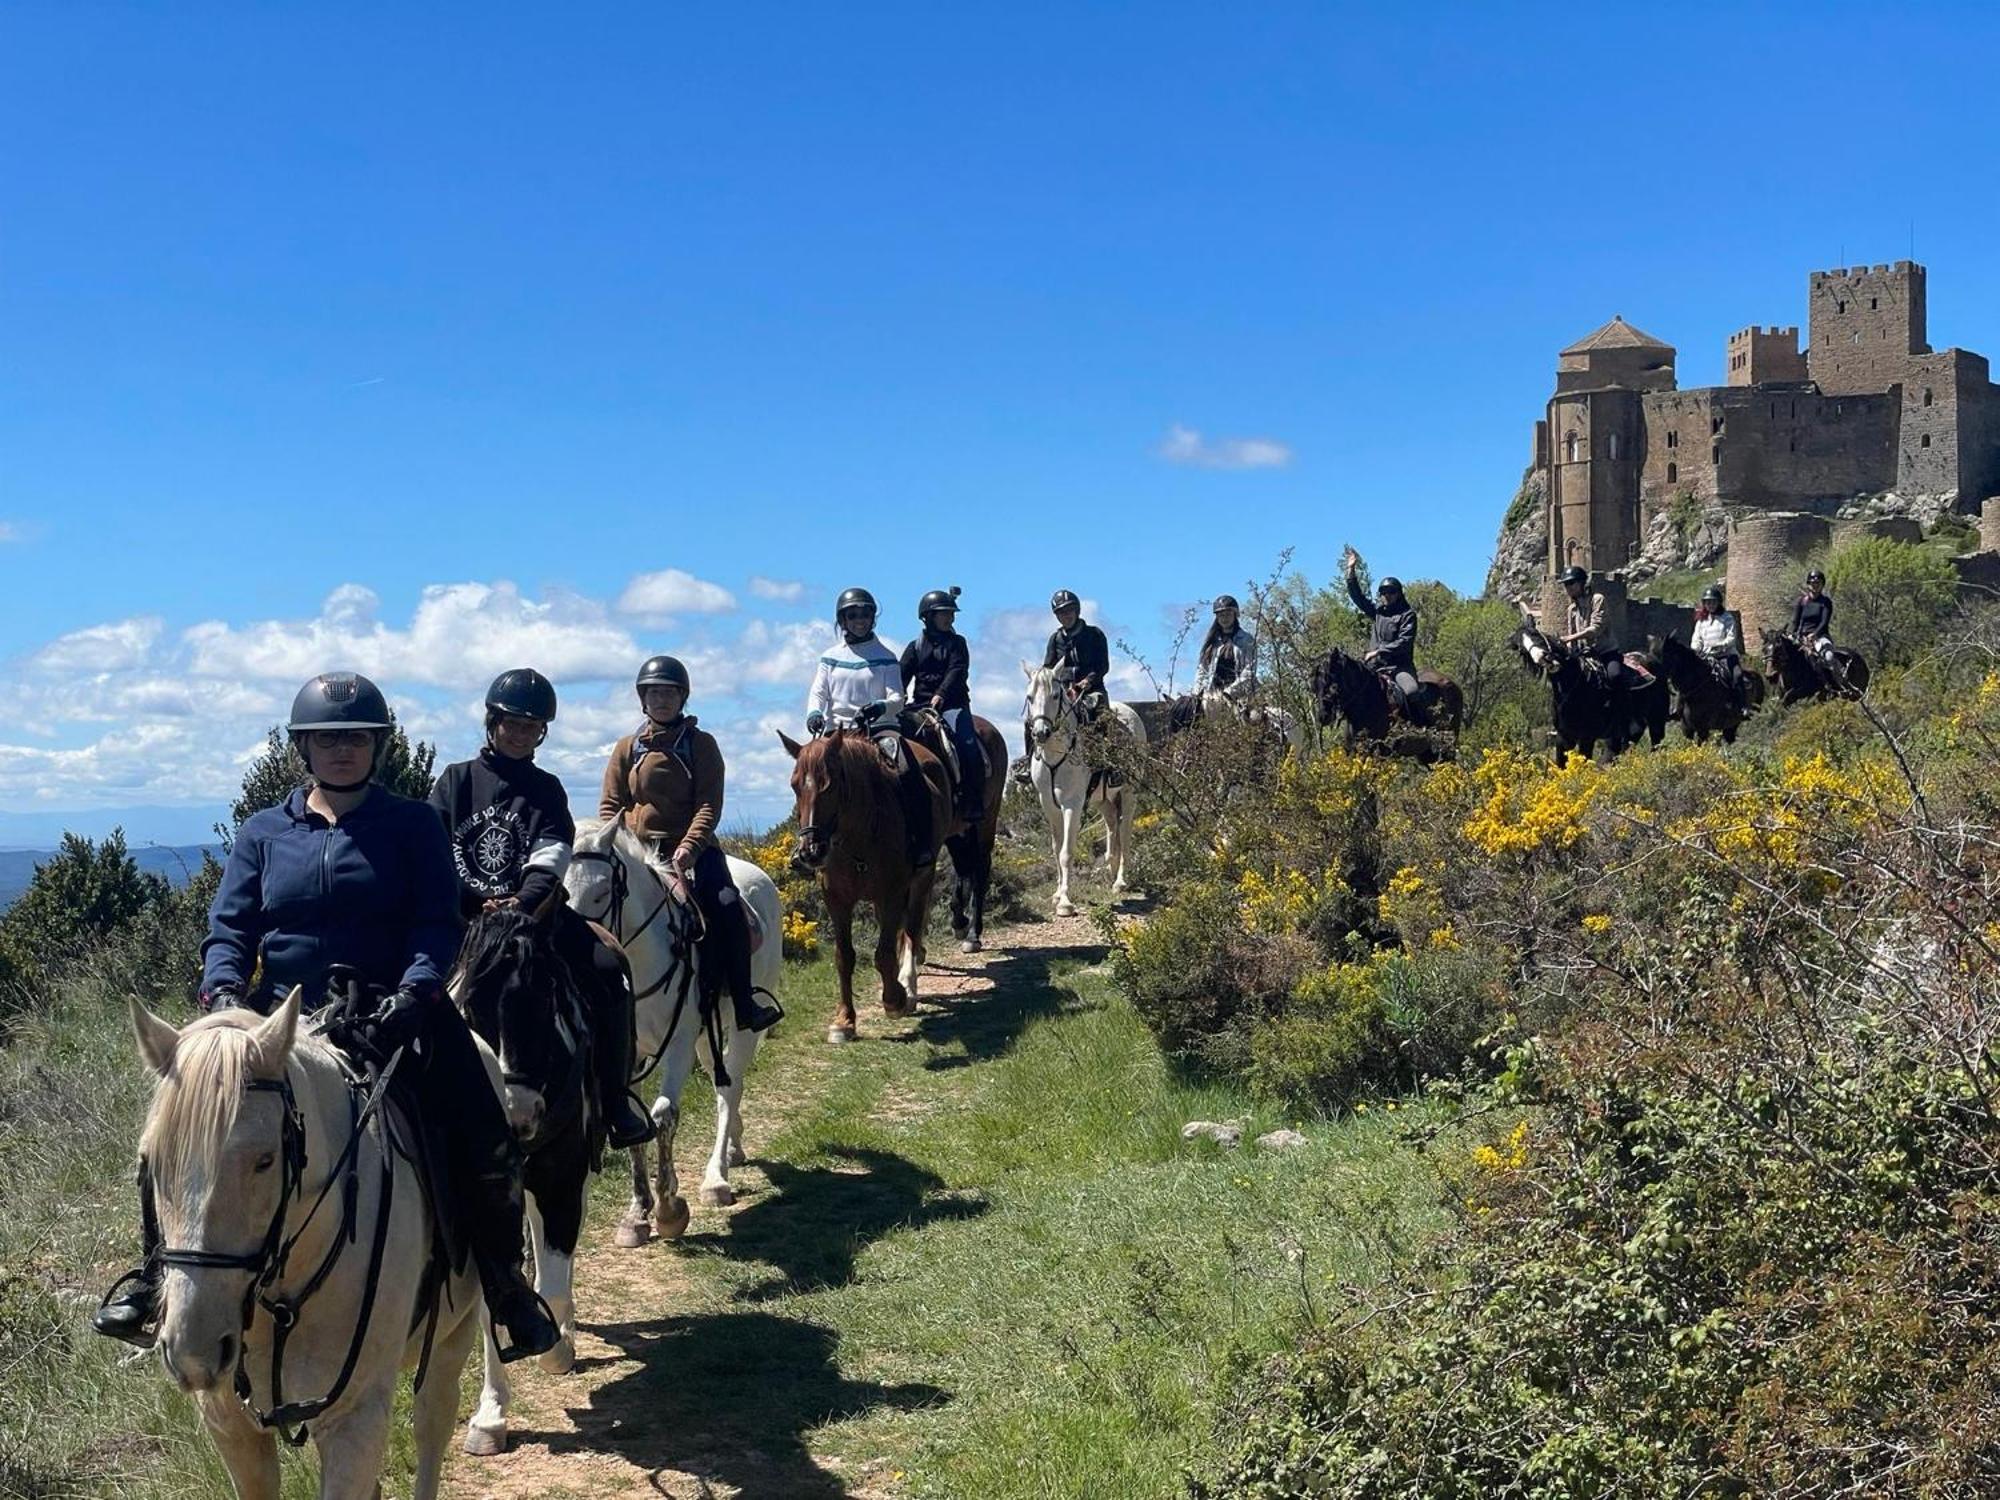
(1063, 599)
(663, 671)
(524, 693)
(937, 599)
(852, 599)
(338, 700)
(1573, 574)
(1815, 576)
(1390, 586)
(1712, 594)
(1225, 601)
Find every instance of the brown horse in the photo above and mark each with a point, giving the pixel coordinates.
(971, 845)
(851, 834)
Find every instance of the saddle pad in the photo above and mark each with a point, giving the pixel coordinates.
(1639, 667)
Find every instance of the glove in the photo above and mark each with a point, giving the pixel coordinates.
(400, 1021)
(223, 995)
(815, 722)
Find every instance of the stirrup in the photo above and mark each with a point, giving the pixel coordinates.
(755, 991)
(140, 1336)
(511, 1351)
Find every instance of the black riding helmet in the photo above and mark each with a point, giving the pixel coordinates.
(1225, 601)
(1390, 587)
(853, 599)
(339, 700)
(524, 693)
(937, 599)
(1573, 575)
(1712, 594)
(1816, 576)
(662, 671)
(1063, 599)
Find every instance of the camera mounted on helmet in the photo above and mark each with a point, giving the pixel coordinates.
(935, 600)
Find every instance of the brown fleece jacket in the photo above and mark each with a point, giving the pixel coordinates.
(654, 792)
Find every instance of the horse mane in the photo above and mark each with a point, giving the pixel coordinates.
(863, 772)
(485, 942)
(196, 1103)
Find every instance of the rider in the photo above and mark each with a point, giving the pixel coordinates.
(1812, 624)
(511, 838)
(858, 672)
(346, 882)
(1081, 658)
(1392, 637)
(934, 668)
(665, 780)
(1585, 629)
(1718, 639)
(1228, 663)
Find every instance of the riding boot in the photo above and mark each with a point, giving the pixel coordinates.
(915, 790)
(625, 1124)
(130, 1309)
(730, 943)
(492, 1200)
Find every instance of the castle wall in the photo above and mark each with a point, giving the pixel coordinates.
(1742, 445)
(1595, 440)
(1759, 356)
(1633, 369)
(1865, 323)
(1989, 527)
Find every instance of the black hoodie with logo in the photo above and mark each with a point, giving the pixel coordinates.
(510, 828)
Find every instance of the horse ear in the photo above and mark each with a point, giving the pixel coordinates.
(792, 746)
(1027, 671)
(157, 1039)
(271, 1039)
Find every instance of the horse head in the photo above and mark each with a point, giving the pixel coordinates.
(598, 878)
(819, 781)
(513, 991)
(224, 1148)
(1335, 682)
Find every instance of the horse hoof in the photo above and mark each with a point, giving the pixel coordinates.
(1065, 909)
(561, 1359)
(632, 1234)
(839, 1034)
(671, 1221)
(717, 1197)
(485, 1442)
(970, 945)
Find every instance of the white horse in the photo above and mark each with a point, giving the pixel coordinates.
(1064, 782)
(1282, 725)
(247, 1143)
(616, 881)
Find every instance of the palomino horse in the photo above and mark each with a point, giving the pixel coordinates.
(851, 834)
(1800, 673)
(1347, 688)
(1067, 782)
(971, 846)
(295, 1240)
(517, 996)
(1584, 709)
(1708, 705)
(617, 882)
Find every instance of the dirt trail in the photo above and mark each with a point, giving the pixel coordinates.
(668, 1381)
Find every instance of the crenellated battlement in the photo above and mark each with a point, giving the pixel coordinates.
(1743, 335)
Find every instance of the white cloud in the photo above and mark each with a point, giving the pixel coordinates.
(1184, 445)
(785, 591)
(669, 592)
(102, 648)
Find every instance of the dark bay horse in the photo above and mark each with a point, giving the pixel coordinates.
(1799, 674)
(971, 845)
(1345, 687)
(1585, 710)
(851, 834)
(1708, 705)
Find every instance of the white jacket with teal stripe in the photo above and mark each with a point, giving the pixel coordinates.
(852, 676)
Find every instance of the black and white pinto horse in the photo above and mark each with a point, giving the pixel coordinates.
(1586, 711)
(1801, 673)
(1347, 689)
(520, 999)
(1707, 703)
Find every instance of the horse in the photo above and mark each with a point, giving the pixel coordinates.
(1067, 782)
(1708, 704)
(851, 835)
(971, 845)
(518, 997)
(296, 1240)
(1345, 687)
(1800, 673)
(617, 882)
(1585, 710)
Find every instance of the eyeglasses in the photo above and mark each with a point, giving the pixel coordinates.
(857, 612)
(335, 739)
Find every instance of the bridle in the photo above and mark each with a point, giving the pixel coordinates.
(1042, 727)
(681, 940)
(268, 1262)
(816, 837)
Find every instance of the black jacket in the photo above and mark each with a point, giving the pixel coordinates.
(935, 666)
(1080, 656)
(1392, 633)
(1812, 617)
(510, 829)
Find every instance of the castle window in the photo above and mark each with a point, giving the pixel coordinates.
(1795, 445)
(1715, 453)
(1840, 307)
(1926, 440)
(1795, 411)
(1569, 448)
(1715, 424)
(1673, 472)
(1673, 440)
(1614, 445)
(1927, 395)
(1871, 304)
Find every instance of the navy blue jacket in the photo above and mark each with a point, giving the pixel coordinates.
(377, 890)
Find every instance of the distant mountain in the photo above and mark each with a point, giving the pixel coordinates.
(176, 862)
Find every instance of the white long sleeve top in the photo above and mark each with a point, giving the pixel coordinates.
(1718, 635)
(849, 677)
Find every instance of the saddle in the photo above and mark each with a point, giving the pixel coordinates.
(1634, 662)
(930, 733)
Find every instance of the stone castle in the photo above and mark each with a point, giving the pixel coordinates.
(1867, 428)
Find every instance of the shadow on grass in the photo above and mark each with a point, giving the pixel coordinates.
(815, 1222)
(986, 1024)
(726, 1397)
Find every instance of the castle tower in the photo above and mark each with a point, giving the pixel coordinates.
(1865, 323)
(1594, 439)
(1765, 356)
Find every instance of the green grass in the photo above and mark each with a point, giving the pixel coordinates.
(985, 1263)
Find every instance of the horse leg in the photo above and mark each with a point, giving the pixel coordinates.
(916, 929)
(1068, 819)
(554, 1269)
(842, 1029)
(976, 884)
(670, 1209)
(486, 1433)
(960, 886)
(637, 1226)
(352, 1447)
(889, 914)
(249, 1452)
(434, 1408)
(1118, 831)
(739, 1047)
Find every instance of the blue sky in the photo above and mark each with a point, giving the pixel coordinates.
(429, 339)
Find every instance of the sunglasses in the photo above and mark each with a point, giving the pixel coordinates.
(336, 739)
